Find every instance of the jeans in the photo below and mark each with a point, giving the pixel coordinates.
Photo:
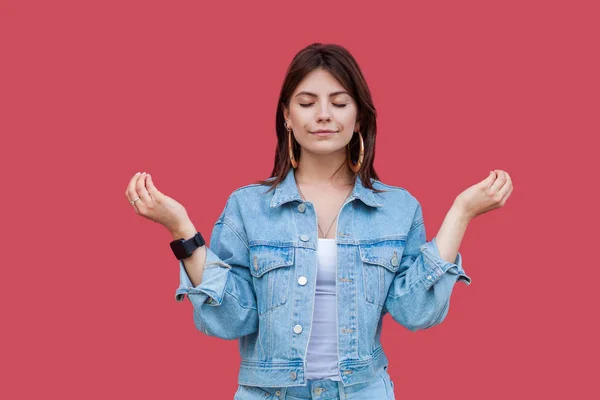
(380, 388)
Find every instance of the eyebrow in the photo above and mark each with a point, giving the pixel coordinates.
(314, 95)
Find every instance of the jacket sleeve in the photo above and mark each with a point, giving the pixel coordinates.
(225, 301)
(419, 296)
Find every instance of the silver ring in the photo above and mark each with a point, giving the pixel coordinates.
(134, 200)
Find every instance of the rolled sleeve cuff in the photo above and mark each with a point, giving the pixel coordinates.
(436, 266)
(214, 281)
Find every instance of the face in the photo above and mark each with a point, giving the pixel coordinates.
(320, 102)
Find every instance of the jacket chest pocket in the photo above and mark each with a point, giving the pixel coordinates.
(271, 269)
(380, 262)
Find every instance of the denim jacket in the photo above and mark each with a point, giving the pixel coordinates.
(261, 269)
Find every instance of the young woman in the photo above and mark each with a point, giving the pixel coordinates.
(303, 266)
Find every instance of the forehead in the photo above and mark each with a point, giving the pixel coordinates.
(319, 81)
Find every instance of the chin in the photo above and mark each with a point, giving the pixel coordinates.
(324, 150)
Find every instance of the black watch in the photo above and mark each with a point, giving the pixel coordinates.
(183, 248)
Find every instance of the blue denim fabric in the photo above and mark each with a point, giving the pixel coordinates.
(263, 243)
(379, 388)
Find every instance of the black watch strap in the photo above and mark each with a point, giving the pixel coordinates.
(183, 248)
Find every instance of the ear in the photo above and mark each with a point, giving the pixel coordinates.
(357, 126)
(286, 112)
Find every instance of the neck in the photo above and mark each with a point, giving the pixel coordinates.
(331, 169)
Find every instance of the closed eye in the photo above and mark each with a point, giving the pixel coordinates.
(335, 105)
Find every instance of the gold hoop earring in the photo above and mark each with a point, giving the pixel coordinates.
(356, 167)
(290, 149)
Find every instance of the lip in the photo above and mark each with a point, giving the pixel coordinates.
(323, 132)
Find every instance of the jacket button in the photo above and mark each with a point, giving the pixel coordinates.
(301, 207)
(395, 261)
(278, 393)
(293, 375)
(302, 280)
(304, 238)
(297, 329)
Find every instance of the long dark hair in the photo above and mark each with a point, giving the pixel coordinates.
(338, 61)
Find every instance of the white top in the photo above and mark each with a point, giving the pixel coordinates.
(322, 356)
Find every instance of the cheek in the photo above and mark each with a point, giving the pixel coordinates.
(347, 118)
(301, 117)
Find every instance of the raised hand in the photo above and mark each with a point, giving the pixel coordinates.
(150, 203)
(487, 195)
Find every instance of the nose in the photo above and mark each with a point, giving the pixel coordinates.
(323, 113)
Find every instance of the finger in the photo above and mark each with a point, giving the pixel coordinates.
(505, 188)
(130, 193)
(508, 179)
(497, 183)
(140, 188)
(487, 182)
(139, 203)
(154, 192)
(506, 196)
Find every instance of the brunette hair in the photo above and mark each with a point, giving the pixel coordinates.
(338, 61)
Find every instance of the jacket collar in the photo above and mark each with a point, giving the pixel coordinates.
(287, 191)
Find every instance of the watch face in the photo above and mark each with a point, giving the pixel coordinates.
(179, 249)
(183, 248)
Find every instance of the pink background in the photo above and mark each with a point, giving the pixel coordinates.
(92, 92)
